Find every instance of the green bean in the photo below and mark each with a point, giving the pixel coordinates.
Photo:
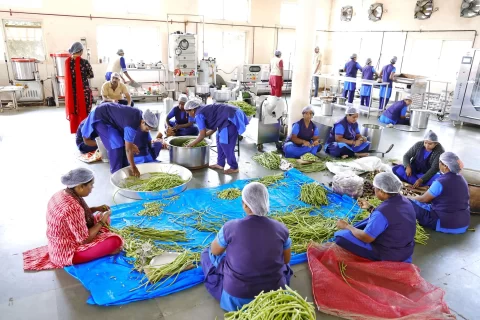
(198, 145)
(151, 234)
(317, 166)
(269, 160)
(343, 269)
(229, 194)
(309, 157)
(281, 304)
(152, 209)
(271, 180)
(247, 108)
(154, 182)
(313, 194)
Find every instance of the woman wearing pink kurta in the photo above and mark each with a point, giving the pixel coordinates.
(276, 75)
(75, 235)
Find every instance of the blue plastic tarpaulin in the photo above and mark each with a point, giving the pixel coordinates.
(111, 280)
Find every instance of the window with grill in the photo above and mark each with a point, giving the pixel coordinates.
(24, 39)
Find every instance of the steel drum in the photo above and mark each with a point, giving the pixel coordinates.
(117, 179)
(191, 158)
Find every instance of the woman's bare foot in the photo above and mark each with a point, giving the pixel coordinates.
(216, 167)
(230, 171)
(361, 155)
(345, 156)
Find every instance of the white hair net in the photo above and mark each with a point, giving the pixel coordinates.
(255, 196)
(430, 136)
(278, 53)
(76, 47)
(150, 118)
(120, 52)
(368, 61)
(76, 177)
(308, 109)
(351, 110)
(394, 60)
(115, 75)
(193, 104)
(452, 161)
(387, 182)
(408, 97)
(353, 56)
(183, 98)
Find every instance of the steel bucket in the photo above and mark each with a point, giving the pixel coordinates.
(373, 134)
(326, 109)
(191, 158)
(102, 149)
(419, 118)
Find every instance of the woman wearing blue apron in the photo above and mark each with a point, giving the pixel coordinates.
(345, 139)
(445, 207)
(148, 149)
(388, 234)
(227, 120)
(117, 126)
(420, 163)
(351, 69)
(387, 74)
(82, 147)
(182, 126)
(304, 137)
(366, 90)
(397, 112)
(248, 255)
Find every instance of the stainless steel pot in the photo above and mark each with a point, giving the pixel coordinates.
(203, 88)
(326, 109)
(419, 118)
(223, 95)
(24, 68)
(118, 180)
(373, 134)
(341, 100)
(192, 158)
(59, 60)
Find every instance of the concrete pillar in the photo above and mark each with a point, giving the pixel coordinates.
(302, 67)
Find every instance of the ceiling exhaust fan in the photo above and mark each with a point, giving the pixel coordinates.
(470, 8)
(375, 12)
(347, 13)
(424, 9)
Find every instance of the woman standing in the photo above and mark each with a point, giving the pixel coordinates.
(420, 163)
(345, 139)
(248, 255)
(78, 95)
(351, 69)
(445, 207)
(304, 137)
(387, 74)
(366, 90)
(230, 122)
(276, 74)
(75, 235)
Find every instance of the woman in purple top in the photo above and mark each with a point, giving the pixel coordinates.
(304, 137)
(182, 126)
(351, 69)
(345, 139)
(387, 74)
(445, 207)
(388, 234)
(397, 112)
(249, 255)
(366, 90)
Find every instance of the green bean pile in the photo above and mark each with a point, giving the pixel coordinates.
(247, 108)
(306, 228)
(313, 194)
(183, 262)
(152, 209)
(273, 305)
(269, 160)
(155, 182)
(271, 180)
(198, 145)
(309, 157)
(317, 166)
(229, 194)
(421, 236)
(152, 234)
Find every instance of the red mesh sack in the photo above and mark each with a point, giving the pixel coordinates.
(371, 290)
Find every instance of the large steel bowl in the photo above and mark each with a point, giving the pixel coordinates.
(117, 179)
(191, 158)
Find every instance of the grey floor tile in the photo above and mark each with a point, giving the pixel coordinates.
(71, 305)
(461, 289)
(184, 300)
(207, 310)
(40, 306)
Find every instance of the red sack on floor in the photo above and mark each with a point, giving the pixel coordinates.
(371, 290)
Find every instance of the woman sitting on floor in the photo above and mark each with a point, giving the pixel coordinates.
(448, 210)
(249, 255)
(420, 163)
(75, 235)
(304, 137)
(345, 139)
(388, 234)
(181, 125)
